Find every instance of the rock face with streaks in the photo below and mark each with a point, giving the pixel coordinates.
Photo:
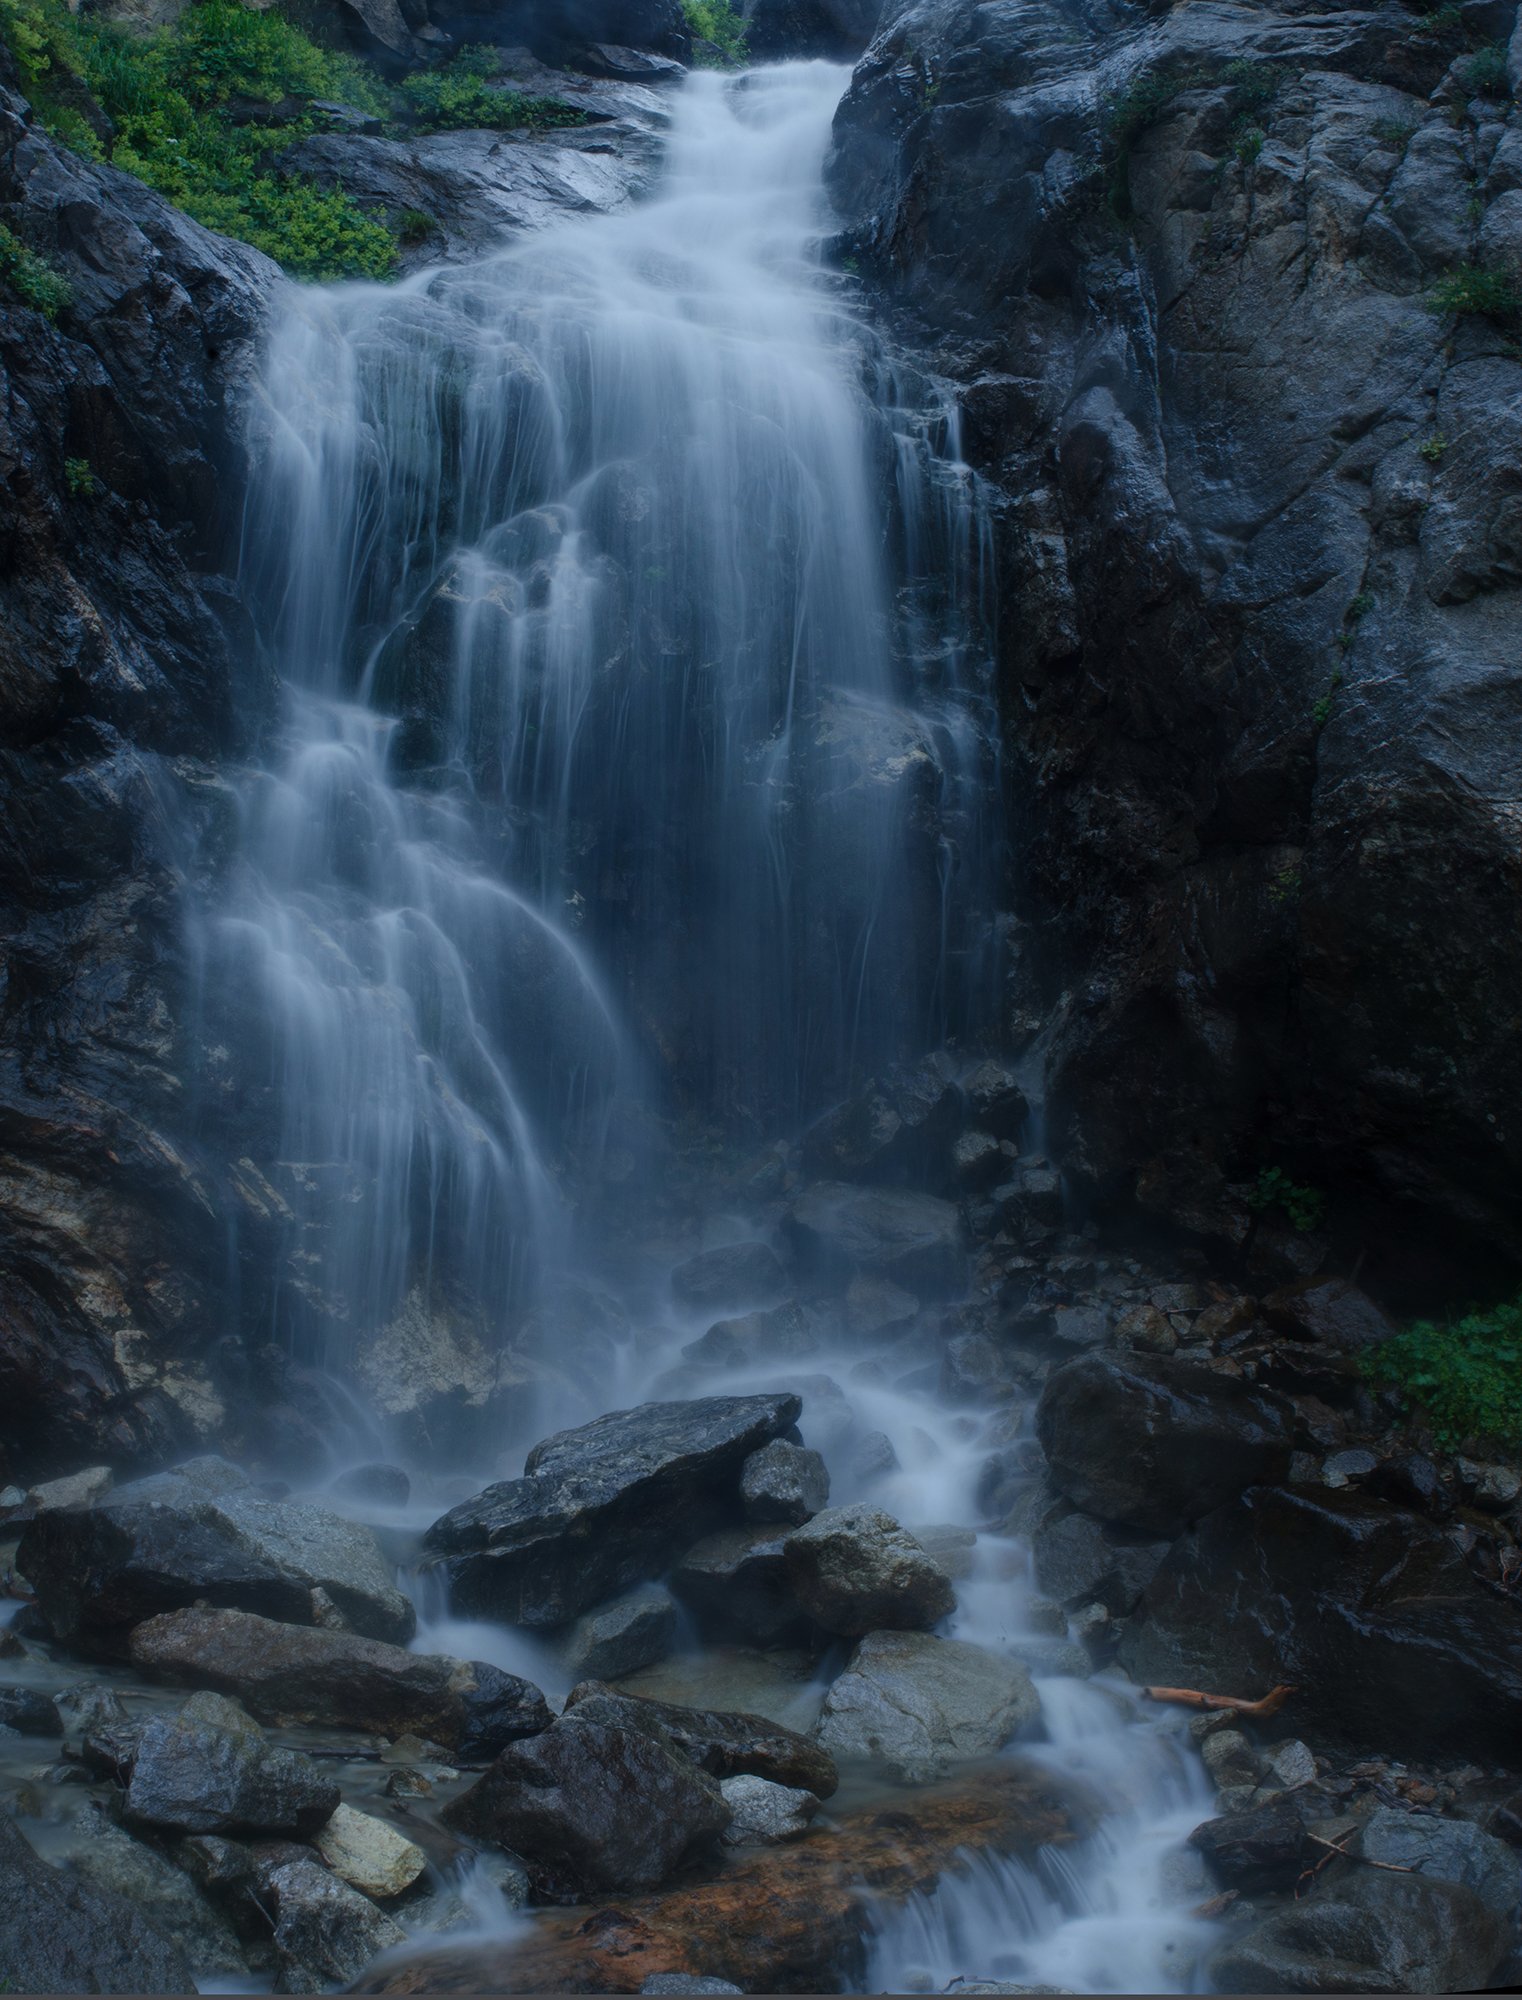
(1262, 547)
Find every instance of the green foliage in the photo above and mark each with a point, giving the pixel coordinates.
(1433, 448)
(1148, 97)
(162, 99)
(1247, 142)
(1304, 1206)
(1465, 1375)
(79, 477)
(1360, 607)
(1485, 74)
(1441, 21)
(1253, 84)
(720, 23)
(1284, 889)
(1396, 132)
(1485, 291)
(31, 278)
(457, 97)
(1321, 710)
(414, 226)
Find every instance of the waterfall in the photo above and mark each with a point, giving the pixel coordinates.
(632, 740)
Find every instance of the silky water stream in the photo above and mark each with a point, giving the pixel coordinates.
(637, 765)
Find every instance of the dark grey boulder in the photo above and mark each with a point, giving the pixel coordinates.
(29, 1712)
(1445, 1850)
(724, 1744)
(209, 1770)
(1338, 1594)
(783, 1482)
(737, 1586)
(1081, 1561)
(378, 1485)
(602, 1508)
(1153, 1444)
(736, 1274)
(1368, 1932)
(916, 1240)
(325, 1932)
(114, 1861)
(855, 1570)
(61, 1935)
(631, 1632)
(592, 1806)
(1331, 1312)
(897, 1130)
(777, 1333)
(1268, 1848)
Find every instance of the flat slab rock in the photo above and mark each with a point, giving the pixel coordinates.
(603, 1507)
(724, 1743)
(921, 1705)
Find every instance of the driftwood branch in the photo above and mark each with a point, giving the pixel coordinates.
(1333, 1849)
(1270, 1704)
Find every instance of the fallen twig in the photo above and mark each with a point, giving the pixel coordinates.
(1333, 1849)
(1270, 1704)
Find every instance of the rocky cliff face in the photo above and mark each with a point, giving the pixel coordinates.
(1262, 534)
(120, 656)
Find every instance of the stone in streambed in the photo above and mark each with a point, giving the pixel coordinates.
(634, 1631)
(737, 1274)
(1368, 1932)
(1446, 1850)
(1252, 1851)
(915, 1240)
(764, 1813)
(723, 1743)
(737, 1586)
(783, 1482)
(1151, 1444)
(61, 1935)
(295, 1673)
(855, 1570)
(369, 1855)
(113, 1861)
(1079, 1561)
(921, 1705)
(28, 1712)
(209, 1770)
(593, 1807)
(603, 1507)
(782, 1333)
(325, 1932)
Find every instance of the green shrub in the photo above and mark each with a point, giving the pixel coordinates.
(1433, 448)
(79, 477)
(1247, 142)
(457, 97)
(31, 278)
(1485, 74)
(1304, 1206)
(1441, 21)
(1397, 132)
(1465, 1375)
(720, 23)
(1482, 290)
(1253, 84)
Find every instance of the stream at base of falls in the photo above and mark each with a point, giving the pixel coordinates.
(636, 798)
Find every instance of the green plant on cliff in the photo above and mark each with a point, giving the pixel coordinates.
(31, 278)
(1486, 74)
(1485, 291)
(1302, 1205)
(1465, 1375)
(79, 477)
(719, 24)
(457, 97)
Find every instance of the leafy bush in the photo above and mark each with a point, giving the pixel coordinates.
(1304, 1206)
(1486, 73)
(1247, 142)
(1396, 132)
(718, 22)
(1484, 290)
(1466, 1375)
(79, 477)
(457, 98)
(32, 278)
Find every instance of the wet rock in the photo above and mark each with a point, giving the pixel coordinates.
(207, 1477)
(921, 1705)
(291, 1673)
(325, 1932)
(723, 1744)
(101, 1569)
(1288, 1766)
(783, 1483)
(1031, 1199)
(871, 1457)
(763, 1813)
(84, 1709)
(117, 1864)
(80, 1489)
(950, 1548)
(855, 1570)
(1446, 1850)
(373, 1486)
(1265, 1849)
(873, 1305)
(1331, 1312)
(61, 1935)
(1147, 1329)
(209, 1770)
(736, 1274)
(738, 1586)
(781, 1333)
(1231, 1760)
(1079, 1560)
(29, 1712)
(1491, 1488)
(369, 1855)
(1153, 1444)
(1078, 1328)
(995, 1100)
(687, 1982)
(978, 1160)
(592, 1806)
(1338, 1593)
(602, 1508)
(898, 1129)
(634, 1631)
(974, 1368)
(1368, 1932)
(915, 1240)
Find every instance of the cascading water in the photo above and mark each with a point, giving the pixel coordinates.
(633, 729)
(629, 606)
